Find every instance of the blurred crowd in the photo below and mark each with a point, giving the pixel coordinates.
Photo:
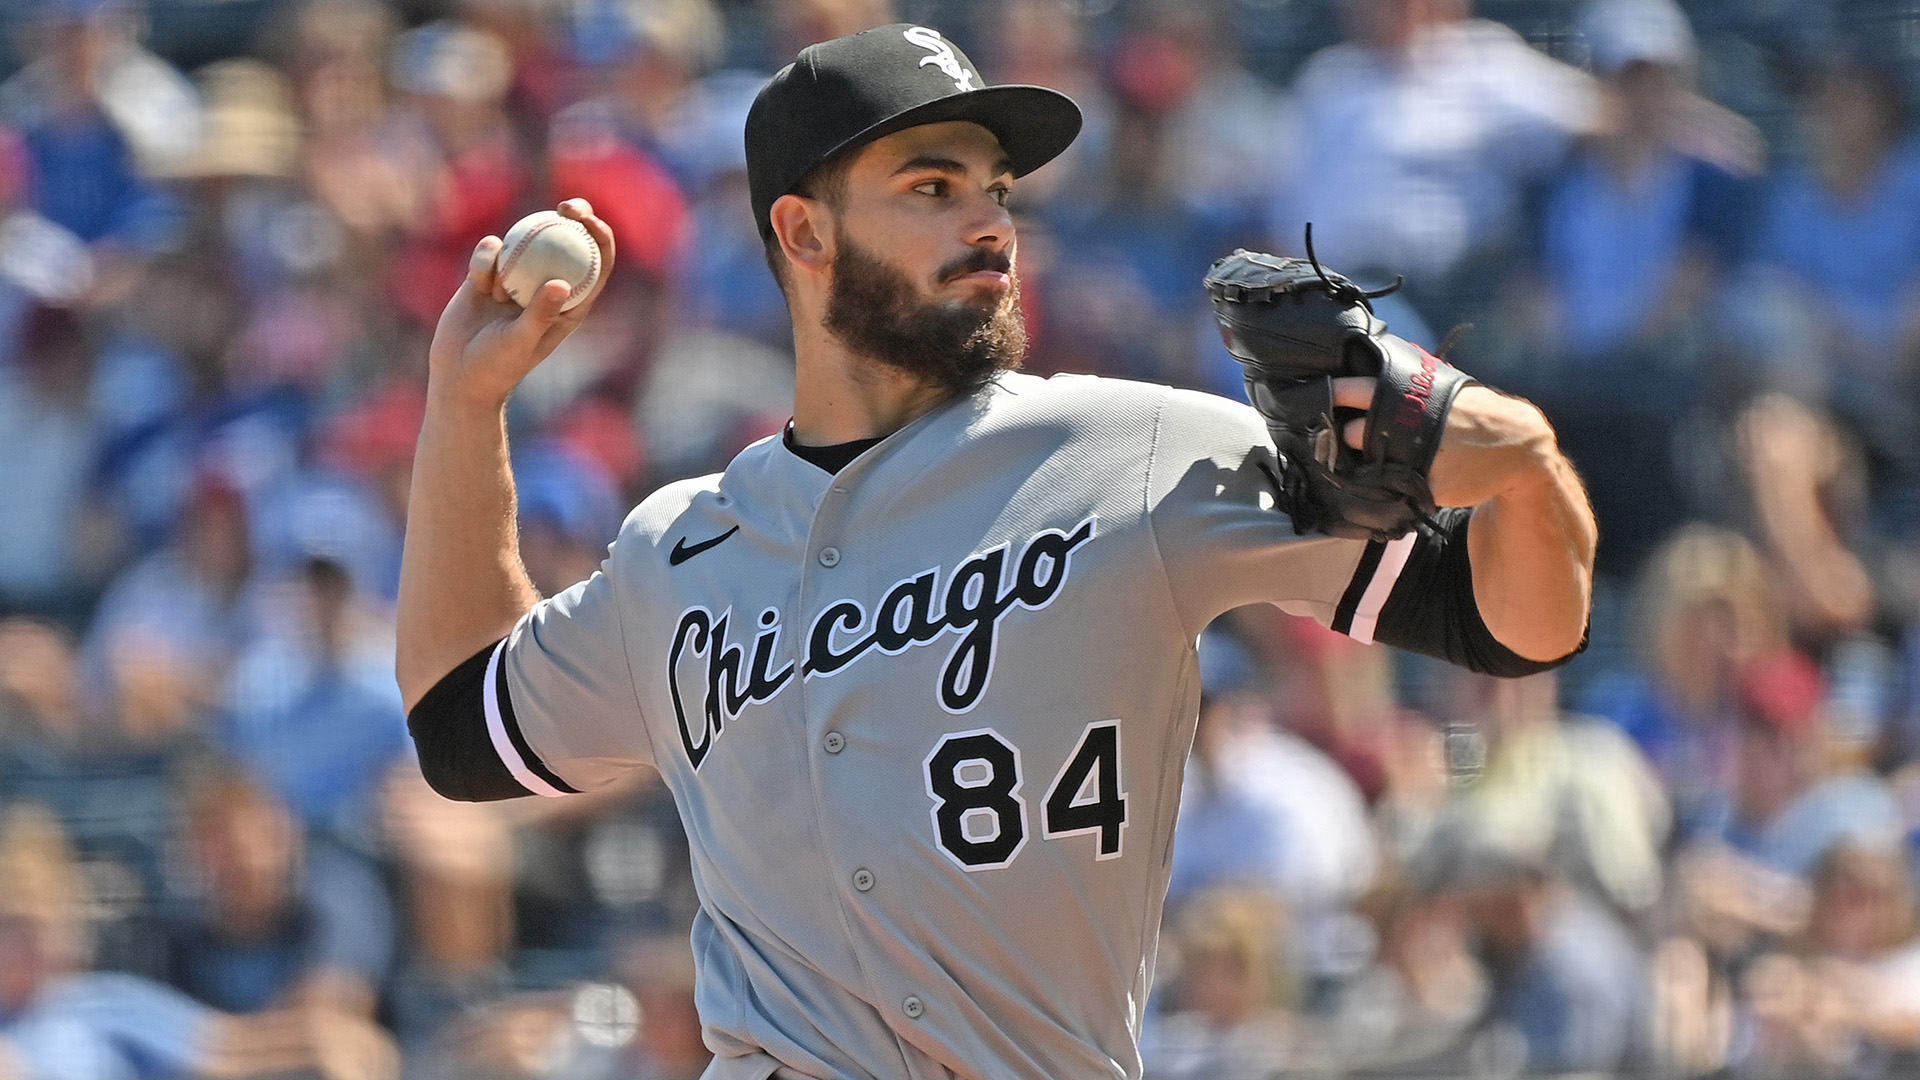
(1690, 231)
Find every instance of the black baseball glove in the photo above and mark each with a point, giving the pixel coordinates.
(1296, 327)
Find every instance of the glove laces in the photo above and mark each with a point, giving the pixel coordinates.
(1346, 291)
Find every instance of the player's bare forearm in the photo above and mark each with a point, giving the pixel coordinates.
(461, 581)
(1533, 537)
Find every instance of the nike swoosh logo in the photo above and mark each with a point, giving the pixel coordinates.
(682, 551)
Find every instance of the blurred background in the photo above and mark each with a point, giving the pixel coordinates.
(1690, 231)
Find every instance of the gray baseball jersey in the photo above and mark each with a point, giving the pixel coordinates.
(925, 718)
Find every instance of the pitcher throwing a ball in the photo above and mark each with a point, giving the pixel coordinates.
(920, 672)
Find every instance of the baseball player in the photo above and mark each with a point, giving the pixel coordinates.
(920, 672)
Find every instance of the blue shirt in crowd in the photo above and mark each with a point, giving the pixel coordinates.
(105, 1026)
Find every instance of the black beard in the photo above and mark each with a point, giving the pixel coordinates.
(957, 346)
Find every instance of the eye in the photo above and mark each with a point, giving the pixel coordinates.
(1001, 193)
(936, 187)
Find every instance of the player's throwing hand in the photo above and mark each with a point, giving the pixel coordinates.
(485, 343)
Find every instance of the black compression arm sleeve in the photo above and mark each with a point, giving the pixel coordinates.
(449, 727)
(1432, 611)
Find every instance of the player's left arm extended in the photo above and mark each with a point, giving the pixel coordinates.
(1532, 536)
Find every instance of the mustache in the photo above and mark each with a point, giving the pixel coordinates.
(976, 260)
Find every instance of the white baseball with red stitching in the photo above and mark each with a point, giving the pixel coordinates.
(545, 246)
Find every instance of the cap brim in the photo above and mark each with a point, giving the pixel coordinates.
(1034, 124)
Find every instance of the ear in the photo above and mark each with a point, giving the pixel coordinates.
(804, 230)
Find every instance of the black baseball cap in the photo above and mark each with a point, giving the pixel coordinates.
(845, 93)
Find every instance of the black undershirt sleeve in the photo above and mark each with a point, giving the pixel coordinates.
(449, 727)
(1432, 610)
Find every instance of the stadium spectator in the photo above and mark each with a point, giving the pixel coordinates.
(59, 1020)
(46, 451)
(569, 511)
(107, 769)
(1330, 690)
(176, 410)
(372, 443)
(455, 866)
(1787, 807)
(101, 117)
(453, 141)
(336, 58)
(1221, 122)
(1842, 997)
(1050, 43)
(1833, 309)
(1567, 981)
(644, 143)
(1229, 1013)
(650, 62)
(276, 921)
(238, 177)
(1143, 225)
(1411, 143)
(1564, 789)
(724, 285)
(1414, 1007)
(192, 605)
(1638, 226)
(1262, 807)
(1705, 606)
(710, 393)
(312, 709)
(1807, 476)
(593, 157)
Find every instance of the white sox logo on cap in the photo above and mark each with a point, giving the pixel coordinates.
(942, 57)
(839, 95)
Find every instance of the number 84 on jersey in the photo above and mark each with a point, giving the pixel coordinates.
(980, 816)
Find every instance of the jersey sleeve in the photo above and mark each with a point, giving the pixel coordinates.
(562, 710)
(1225, 543)
(1213, 490)
(548, 710)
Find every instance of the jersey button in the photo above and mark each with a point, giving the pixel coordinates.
(863, 879)
(834, 742)
(913, 1007)
(829, 556)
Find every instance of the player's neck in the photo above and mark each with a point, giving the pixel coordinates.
(840, 396)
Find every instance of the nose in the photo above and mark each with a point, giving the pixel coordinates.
(990, 225)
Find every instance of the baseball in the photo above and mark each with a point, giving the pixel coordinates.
(543, 247)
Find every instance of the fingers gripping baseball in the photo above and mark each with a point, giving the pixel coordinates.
(581, 211)
(485, 343)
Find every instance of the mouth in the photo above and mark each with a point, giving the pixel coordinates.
(997, 280)
(980, 269)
